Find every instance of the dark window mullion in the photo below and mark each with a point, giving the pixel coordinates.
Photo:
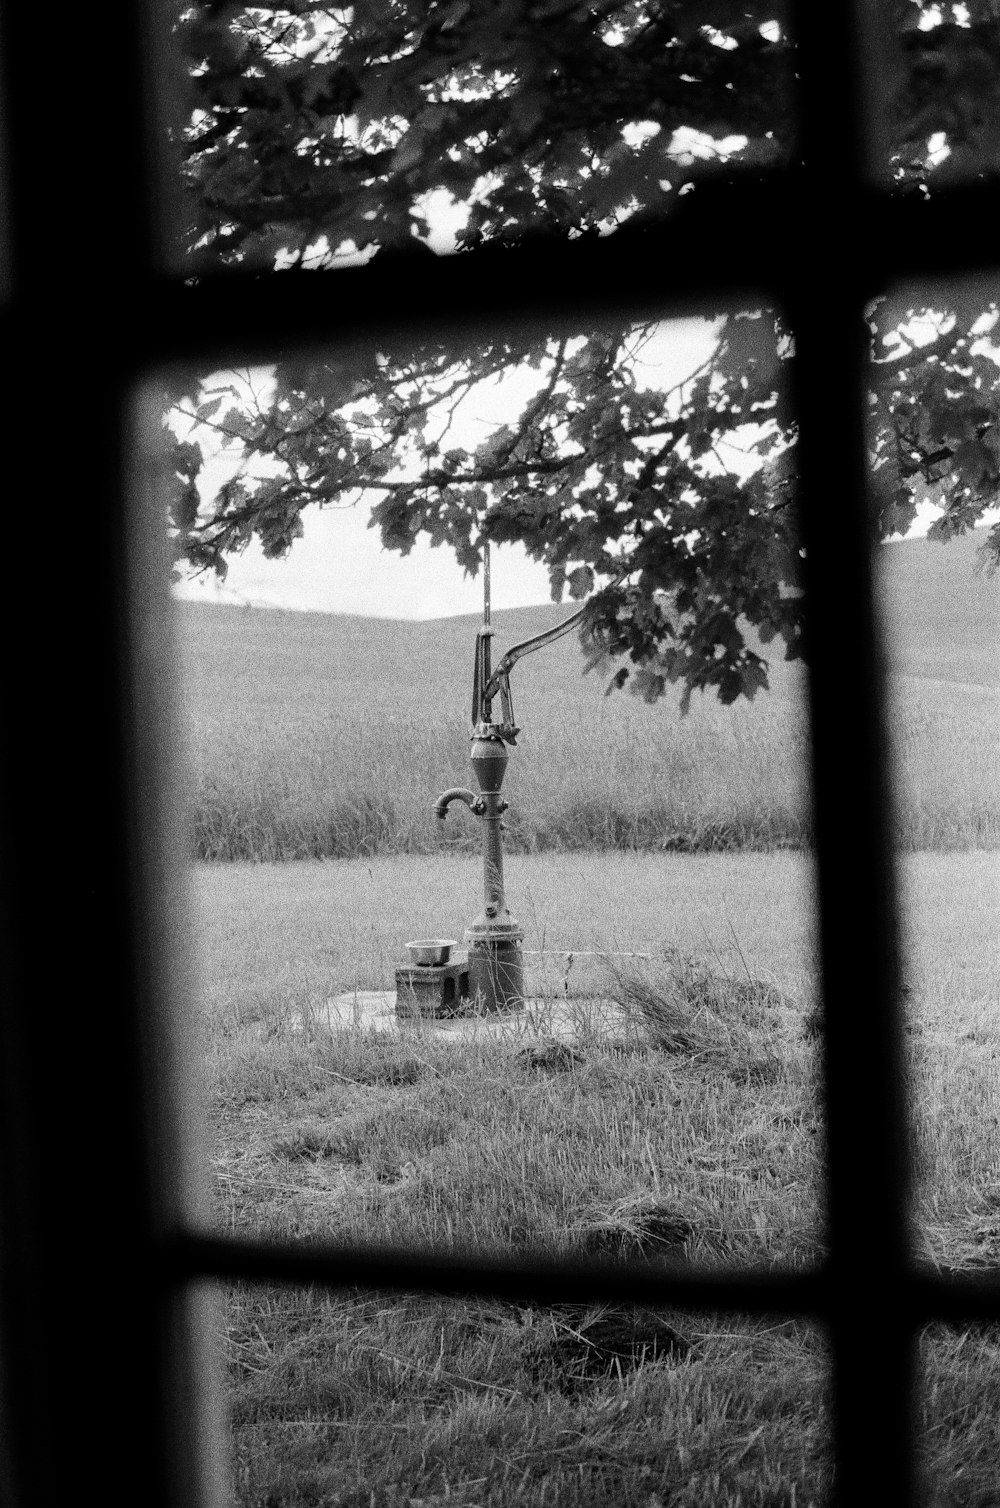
(551, 1281)
(865, 1108)
(93, 1353)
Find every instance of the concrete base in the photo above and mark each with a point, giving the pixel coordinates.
(566, 1019)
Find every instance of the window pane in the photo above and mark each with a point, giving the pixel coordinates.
(413, 1398)
(315, 138)
(656, 1093)
(935, 406)
(933, 93)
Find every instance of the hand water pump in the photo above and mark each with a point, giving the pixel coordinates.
(496, 963)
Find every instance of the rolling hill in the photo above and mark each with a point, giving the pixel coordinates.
(942, 623)
(942, 614)
(325, 734)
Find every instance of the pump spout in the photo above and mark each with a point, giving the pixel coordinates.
(458, 793)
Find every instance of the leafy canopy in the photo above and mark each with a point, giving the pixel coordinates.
(317, 135)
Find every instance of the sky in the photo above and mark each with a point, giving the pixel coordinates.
(339, 565)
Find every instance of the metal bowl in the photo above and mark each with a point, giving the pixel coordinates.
(431, 951)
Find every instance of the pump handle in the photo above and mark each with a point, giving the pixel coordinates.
(487, 685)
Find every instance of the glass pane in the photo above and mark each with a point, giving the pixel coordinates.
(935, 407)
(932, 93)
(415, 1399)
(619, 1056)
(316, 137)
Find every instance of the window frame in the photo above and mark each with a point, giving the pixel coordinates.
(105, 1254)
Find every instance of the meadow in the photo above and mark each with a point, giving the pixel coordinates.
(326, 736)
(695, 1134)
(678, 850)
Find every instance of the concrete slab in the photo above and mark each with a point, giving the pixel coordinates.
(567, 1020)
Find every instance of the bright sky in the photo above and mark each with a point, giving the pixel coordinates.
(339, 565)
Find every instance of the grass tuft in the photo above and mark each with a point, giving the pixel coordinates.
(639, 1226)
(689, 1008)
(549, 1055)
(608, 1342)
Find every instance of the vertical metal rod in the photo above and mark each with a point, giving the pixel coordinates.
(484, 657)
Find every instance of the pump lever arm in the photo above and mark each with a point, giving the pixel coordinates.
(499, 680)
(496, 681)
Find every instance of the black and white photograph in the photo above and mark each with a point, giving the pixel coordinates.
(501, 786)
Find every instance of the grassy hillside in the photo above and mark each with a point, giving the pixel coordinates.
(331, 735)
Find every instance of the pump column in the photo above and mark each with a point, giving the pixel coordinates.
(496, 962)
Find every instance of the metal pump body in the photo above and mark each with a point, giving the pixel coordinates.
(494, 938)
(496, 961)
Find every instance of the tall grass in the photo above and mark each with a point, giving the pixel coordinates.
(329, 736)
(586, 774)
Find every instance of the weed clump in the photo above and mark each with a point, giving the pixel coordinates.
(684, 1007)
(639, 1226)
(590, 1345)
(305, 1143)
(369, 1059)
(550, 1055)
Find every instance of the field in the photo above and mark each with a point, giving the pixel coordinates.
(697, 1135)
(314, 735)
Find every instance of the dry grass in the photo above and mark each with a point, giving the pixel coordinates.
(616, 1151)
(669, 1144)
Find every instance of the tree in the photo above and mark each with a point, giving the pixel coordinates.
(317, 134)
